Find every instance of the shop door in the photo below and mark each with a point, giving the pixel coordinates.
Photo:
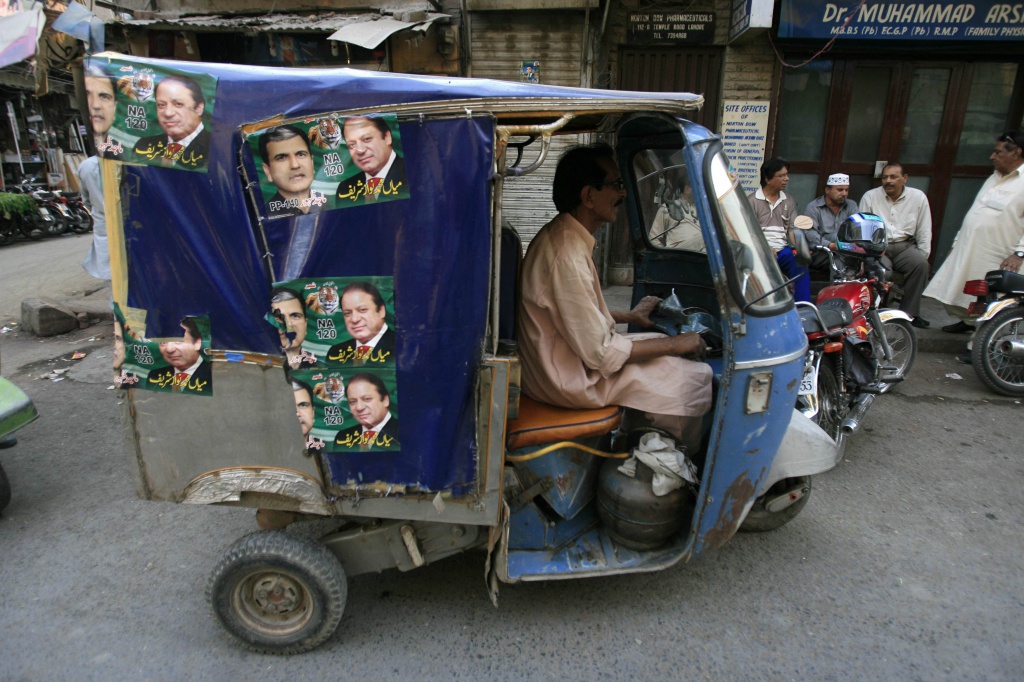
(937, 118)
(673, 70)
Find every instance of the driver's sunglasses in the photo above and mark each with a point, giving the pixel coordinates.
(619, 184)
(1010, 139)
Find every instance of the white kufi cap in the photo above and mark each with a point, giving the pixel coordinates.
(838, 179)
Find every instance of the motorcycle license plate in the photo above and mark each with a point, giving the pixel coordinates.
(43, 211)
(809, 380)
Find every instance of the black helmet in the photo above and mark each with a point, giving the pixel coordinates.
(862, 234)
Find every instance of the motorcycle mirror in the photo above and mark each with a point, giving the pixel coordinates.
(803, 249)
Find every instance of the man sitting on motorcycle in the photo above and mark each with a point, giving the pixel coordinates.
(571, 354)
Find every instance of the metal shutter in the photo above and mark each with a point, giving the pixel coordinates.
(500, 43)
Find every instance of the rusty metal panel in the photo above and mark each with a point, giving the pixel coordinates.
(248, 422)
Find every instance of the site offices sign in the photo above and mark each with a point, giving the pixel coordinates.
(887, 20)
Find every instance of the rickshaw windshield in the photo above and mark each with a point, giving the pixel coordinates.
(753, 272)
(665, 196)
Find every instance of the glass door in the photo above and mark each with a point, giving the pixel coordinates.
(937, 118)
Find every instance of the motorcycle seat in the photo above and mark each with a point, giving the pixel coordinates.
(41, 194)
(539, 423)
(1005, 282)
(835, 312)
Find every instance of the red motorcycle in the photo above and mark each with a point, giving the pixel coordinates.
(856, 349)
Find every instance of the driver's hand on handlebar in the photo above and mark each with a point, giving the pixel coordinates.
(690, 345)
(643, 309)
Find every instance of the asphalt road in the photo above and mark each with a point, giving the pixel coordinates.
(905, 564)
(51, 267)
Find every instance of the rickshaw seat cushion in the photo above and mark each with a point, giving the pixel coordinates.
(539, 423)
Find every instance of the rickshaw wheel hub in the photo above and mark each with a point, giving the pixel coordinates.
(276, 594)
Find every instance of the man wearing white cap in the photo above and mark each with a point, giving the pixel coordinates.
(908, 229)
(828, 212)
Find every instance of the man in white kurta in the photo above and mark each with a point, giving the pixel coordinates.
(908, 231)
(992, 234)
(571, 354)
(97, 261)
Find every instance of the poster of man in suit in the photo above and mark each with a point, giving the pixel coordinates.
(161, 116)
(337, 322)
(179, 364)
(347, 161)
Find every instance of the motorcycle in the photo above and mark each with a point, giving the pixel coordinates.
(37, 221)
(78, 217)
(997, 352)
(856, 348)
(50, 204)
(12, 205)
(16, 410)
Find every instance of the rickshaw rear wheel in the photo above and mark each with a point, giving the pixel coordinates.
(278, 593)
(761, 519)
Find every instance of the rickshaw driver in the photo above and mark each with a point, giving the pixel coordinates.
(571, 354)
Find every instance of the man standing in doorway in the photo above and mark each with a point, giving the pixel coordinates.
(775, 213)
(908, 230)
(992, 234)
(827, 213)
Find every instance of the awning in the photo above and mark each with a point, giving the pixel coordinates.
(370, 34)
(366, 29)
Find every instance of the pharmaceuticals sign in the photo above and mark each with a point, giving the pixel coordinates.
(888, 20)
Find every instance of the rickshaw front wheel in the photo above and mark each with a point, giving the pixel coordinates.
(768, 512)
(277, 593)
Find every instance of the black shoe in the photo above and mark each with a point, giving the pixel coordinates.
(920, 323)
(964, 359)
(960, 327)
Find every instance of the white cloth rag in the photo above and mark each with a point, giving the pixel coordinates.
(670, 465)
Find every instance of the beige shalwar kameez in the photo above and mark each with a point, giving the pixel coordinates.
(992, 230)
(571, 354)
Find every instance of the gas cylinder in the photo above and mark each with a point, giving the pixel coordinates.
(633, 515)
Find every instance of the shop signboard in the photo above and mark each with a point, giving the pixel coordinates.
(671, 28)
(749, 17)
(884, 20)
(745, 130)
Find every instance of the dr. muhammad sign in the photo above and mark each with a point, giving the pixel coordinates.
(885, 20)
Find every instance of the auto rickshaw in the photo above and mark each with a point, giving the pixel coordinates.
(16, 411)
(241, 290)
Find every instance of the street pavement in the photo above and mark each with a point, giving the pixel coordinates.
(905, 564)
